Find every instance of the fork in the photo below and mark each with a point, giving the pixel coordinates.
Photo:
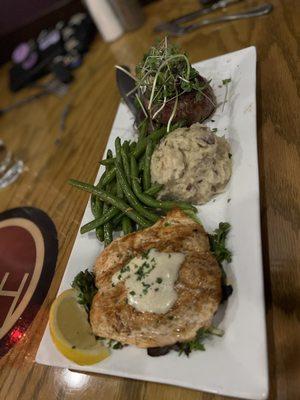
(178, 30)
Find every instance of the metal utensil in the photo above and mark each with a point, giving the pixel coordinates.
(53, 86)
(177, 30)
(195, 14)
(10, 167)
(126, 84)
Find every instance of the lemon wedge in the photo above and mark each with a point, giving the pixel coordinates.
(71, 331)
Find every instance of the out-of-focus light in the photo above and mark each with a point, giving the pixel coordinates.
(75, 380)
(16, 334)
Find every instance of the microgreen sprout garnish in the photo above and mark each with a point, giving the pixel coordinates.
(225, 83)
(163, 75)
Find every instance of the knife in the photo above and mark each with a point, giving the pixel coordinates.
(126, 86)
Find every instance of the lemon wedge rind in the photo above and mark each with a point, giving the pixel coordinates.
(81, 355)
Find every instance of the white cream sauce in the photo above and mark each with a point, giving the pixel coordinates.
(149, 280)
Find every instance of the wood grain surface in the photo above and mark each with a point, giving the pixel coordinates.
(31, 133)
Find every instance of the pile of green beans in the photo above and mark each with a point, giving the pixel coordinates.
(124, 198)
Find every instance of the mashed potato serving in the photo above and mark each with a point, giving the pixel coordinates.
(193, 164)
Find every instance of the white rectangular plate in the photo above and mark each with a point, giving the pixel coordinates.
(235, 364)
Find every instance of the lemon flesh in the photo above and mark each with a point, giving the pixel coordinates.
(71, 331)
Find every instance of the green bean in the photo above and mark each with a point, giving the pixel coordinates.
(96, 206)
(126, 225)
(131, 197)
(118, 150)
(143, 128)
(140, 147)
(100, 233)
(107, 215)
(132, 147)
(150, 201)
(108, 235)
(108, 177)
(107, 226)
(118, 227)
(108, 161)
(126, 146)
(147, 170)
(154, 189)
(111, 199)
(119, 190)
(193, 216)
(142, 144)
(158, 134)
(109, 154)
(117, 219)
(125, 150)
(141, 163)
(126, 164)
(119, 160)
(96, 203)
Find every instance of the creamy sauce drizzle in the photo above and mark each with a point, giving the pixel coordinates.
(149, 280)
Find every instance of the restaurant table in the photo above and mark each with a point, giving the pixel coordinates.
(32, 132)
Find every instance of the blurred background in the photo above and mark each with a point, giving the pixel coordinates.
(24, 19)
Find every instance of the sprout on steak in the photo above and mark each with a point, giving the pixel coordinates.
(169, 90)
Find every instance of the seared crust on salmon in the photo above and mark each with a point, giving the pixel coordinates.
(198, 286)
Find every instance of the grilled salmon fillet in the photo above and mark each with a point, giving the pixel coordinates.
(198, 286)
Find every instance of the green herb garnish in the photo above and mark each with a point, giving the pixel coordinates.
(113, 344)
(197, 343)
(84, 283)
(217, 242)
(145, 253)
(125, 269)
(144, 270)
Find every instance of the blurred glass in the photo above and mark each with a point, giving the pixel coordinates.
(10, 167)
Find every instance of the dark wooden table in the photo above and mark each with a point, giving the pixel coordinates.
(32, 130)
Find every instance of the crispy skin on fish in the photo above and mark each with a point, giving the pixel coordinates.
(198, 286)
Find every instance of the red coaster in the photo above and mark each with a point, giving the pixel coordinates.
(28, 254)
